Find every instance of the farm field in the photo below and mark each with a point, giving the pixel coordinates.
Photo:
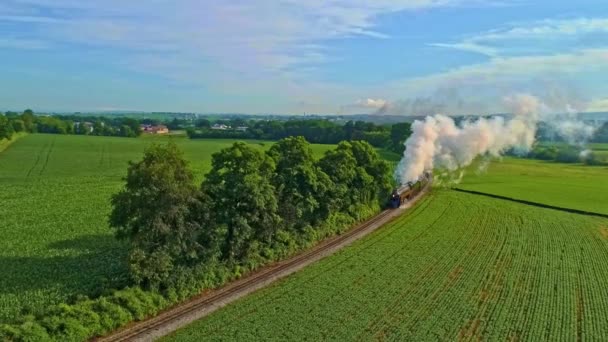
(56, 242)
(563, 185)
(456, 267)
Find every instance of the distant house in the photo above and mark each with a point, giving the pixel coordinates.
(87, 126)
(220, 127)
(151, 129)
(242, 128)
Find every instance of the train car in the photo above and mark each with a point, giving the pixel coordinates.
(408, 191)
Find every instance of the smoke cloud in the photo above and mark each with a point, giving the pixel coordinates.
(438, 143)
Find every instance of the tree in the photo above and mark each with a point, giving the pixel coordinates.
(18, 125)
(203, 123)
(133, 125)
(98, 127)
(300, 184)
(379, 169)
(6, 129)
(399, 133)
(153, 211)
(359, 175)
(29, 120)
(341, 167)
(126, 131)
(242, 199)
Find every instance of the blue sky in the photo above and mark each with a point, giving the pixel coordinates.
(315, 56)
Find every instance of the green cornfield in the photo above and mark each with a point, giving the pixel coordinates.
(562, 185)
(54, 195)
(456, 267)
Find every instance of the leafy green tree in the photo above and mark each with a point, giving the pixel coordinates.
(98, 127)
(399, 133)
(380, 170)
(203, 123)
(153, 212)
(126, 131)
(12, 115)
(18, 125)
(359, 175)
(133, 124)
(83, 128)
(341, 167)
(301, 185)
(29, 120)
(6, 129)
(242, 199)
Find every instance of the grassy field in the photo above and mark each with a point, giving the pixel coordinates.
(563, 185)
(55, 194)
(5, 143)
(457, 267)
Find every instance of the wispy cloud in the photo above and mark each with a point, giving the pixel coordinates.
(488, 81)
(525, 37)
(247, 37)
(599, 105)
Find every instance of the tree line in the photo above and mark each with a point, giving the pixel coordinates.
(317, 131)
(12, 122)
(563, 153)
(251, 208)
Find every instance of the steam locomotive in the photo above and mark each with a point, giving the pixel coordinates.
(408, 191)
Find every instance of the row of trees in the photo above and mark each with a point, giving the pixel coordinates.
(316, 131)
(546, 132)
(567, 154)
(252, 207)
(12, 122)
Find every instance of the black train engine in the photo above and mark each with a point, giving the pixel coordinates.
(408, 191)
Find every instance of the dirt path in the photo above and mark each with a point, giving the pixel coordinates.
(201, 306)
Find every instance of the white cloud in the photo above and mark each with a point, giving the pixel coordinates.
(524, 37)
(487, 82)
(599, 105)
(246, 37)
(370, 103)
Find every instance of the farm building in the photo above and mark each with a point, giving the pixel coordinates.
(151, 129)
(220, 127)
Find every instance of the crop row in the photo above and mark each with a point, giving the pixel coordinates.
(458, 266)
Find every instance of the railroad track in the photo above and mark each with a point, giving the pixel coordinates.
(183, 314)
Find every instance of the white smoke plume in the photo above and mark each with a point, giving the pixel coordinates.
(438, 143)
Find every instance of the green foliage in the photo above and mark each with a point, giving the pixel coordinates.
(596, 159)
(29, 120)
(152, 213)
(568, 155)
(455, 267)
(18, 125)
(313, 130)
(601, 134)
(358, 174)
(399, 133)
(302, 187)
(6, 128)
(49, 124)
(242, 198)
